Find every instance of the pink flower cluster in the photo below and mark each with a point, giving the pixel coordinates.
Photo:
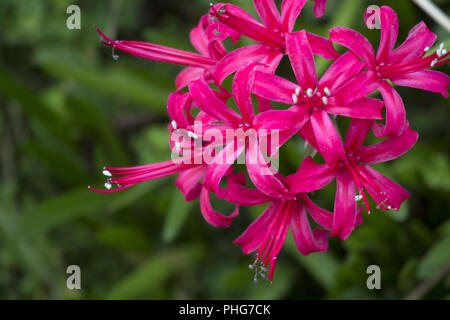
(312, 105)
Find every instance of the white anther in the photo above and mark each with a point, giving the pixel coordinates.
(426, 49)
(251, 266)
(325, 100)
(389, 207)
(174, 124)
(358, 197)
(327, 91)
(107, 173)
(441, 46)
(309, 93)
(295, 98)
(433, 63)
(444, 52)
(108, 185)
(298, 90)
(177, 145)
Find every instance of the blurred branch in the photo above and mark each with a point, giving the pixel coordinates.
(425, 287)
(433, 11)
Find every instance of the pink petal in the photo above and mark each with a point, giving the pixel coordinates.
(219, 32)
(242, 86)
(240, 195)
(211, 216)
(188, 75)
(356, 134)
(319, 8)
(311, 176)
(323, 217)
(254, 235)
(344, 206)
(389, 33)
(341, 71)
(262, 175)
(189, 182)
(361, 86)
(327, 138)
(302, 60)
(356, 42)
(321, 46)
(391, 148)
(428, 80)
(209, 103)
(238, 58)
(221, 164)
(395, 110)
(176, 105)
(418, 39)
(290, 10)
(199, 38)
(292, 119)
(269, 14)
(394, 192)
(273, 88)
(305, 240)
(364, 108)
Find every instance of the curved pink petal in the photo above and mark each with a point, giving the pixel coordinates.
(364, 108)
(305, 239)
(302, 60)
(263, 176)
(389, 33)
(392, 191)
(356, 134)
(269, 14)
(428, 80)
(179, 102)
(391, 148)
(188, 75)
(322, 46)
(418, 39)
(221, 164)
(219, 32)
(189, 182)
(327, 138)
(323, 217)
(211, 216)
(344, 206)
(395, 110)
(198, 36)
(210, 104)
(319, 8)
(238, 58)
(311, 176)
(254, 235)
(273, 88)
(344, 69)
(290, 10)
(356, 42)
(292, 119)
(242, 86)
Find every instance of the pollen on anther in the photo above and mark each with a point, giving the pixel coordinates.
(327, 91)
(325, 100)
(358, 197)
(309, 93)
(108, 185)
(298, 91)
(426, 49)
(433, 63)
(174, 124)
(107, 173)
(295, 98)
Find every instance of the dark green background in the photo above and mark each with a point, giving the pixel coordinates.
(67, 109)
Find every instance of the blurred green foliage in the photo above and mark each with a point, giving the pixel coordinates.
(67, 109)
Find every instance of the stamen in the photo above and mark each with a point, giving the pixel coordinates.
(107, 173)
(433, 63)
(426, 49)
(309, 93)
(108, 185)
(327, 91)
(298, 90)
(174, 124)
(325, 100)
(115, 56)
(358, 197)
(295, 98)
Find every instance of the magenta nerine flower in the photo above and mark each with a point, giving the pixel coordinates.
(212, 128)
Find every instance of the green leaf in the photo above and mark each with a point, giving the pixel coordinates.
(176, 216)
(435, 259)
